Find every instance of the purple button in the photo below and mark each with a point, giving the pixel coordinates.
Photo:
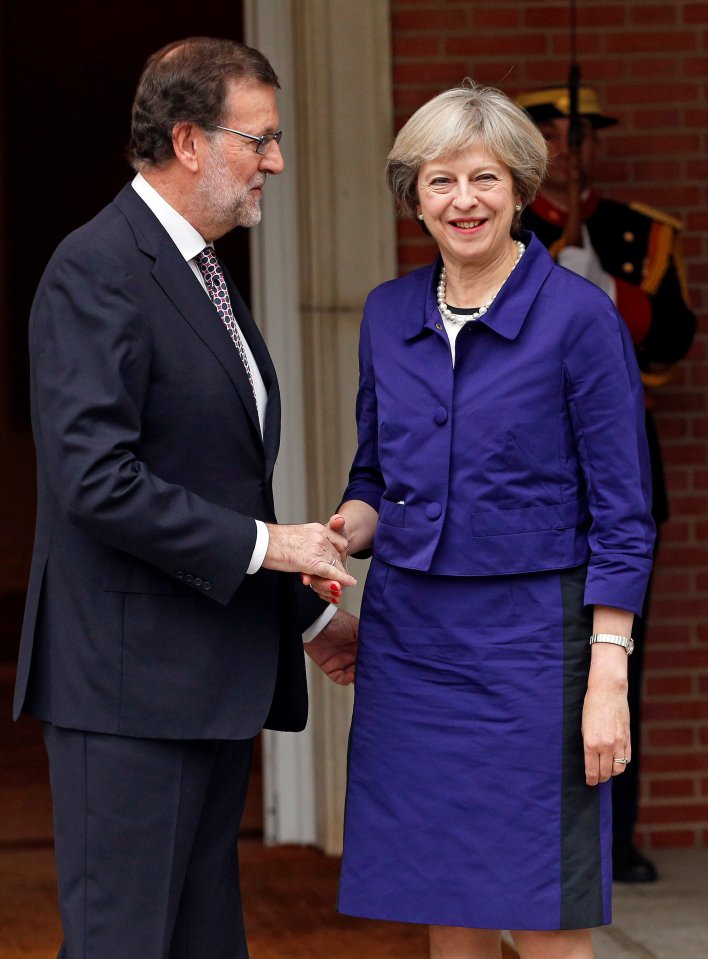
(433, 510)
(440, 416)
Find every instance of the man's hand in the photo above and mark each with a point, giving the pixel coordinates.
(312, 548)
(334, 649)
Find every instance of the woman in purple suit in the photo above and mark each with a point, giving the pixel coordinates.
(501, 483)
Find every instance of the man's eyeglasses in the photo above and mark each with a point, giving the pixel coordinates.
(262, 141)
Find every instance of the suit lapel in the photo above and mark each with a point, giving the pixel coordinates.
(180, 284)
(254, 338)
(186, 294)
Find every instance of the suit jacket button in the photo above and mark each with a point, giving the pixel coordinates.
(628, 267)
(433, 510)
(188, 578)
(198, 581)
(207, 585)
(628, 236)
(440, 415)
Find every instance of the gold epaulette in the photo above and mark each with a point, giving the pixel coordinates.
(657, 215)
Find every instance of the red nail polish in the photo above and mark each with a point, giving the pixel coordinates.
(335, 587)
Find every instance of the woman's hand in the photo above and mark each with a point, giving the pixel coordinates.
(605, 711)
(606, 731)
(327, 589)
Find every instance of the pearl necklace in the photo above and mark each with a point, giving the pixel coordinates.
(445, 310)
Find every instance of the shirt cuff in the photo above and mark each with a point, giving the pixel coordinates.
(260, 549)
(319, 624)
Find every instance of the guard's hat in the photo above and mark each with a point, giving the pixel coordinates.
(554, 102)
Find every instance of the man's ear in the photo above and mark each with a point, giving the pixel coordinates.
(188, 142)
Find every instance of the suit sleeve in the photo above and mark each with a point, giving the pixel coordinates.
(605, 400)
(91, 354)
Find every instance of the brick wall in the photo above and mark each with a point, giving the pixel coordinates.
(647, 60)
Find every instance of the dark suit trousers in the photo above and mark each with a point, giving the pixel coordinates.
(145, 836)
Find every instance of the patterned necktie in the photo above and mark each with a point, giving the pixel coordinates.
(210, 269)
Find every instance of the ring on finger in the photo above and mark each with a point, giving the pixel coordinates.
(621, 760)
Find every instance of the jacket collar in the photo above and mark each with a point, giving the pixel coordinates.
(511, 305)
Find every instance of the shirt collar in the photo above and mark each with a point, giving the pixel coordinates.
(181, 232)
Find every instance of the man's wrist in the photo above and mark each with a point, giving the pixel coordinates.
(319, 624)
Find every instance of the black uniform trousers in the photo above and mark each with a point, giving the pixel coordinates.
(625, 788)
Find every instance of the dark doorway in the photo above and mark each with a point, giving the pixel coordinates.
(69, 71)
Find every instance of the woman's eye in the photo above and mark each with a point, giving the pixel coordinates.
(439, 181)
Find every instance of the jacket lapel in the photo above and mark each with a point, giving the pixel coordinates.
(254, 338)
(186, 294)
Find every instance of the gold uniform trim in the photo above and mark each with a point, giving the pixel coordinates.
(657, 215)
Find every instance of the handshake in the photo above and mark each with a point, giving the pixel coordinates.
(330, 588)
(319, 553)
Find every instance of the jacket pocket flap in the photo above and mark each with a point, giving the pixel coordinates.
(392, 514)
(529, 519)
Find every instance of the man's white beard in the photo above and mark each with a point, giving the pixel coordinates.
(229, 204)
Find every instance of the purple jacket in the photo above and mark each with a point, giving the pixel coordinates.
(530, 455)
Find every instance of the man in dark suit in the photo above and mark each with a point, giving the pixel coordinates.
(161, 631)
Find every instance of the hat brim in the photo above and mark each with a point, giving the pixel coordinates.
(546, 111)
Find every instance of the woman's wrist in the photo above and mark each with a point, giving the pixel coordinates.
(608, 667)
(360, 524)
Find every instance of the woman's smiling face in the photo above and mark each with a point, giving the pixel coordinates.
(468, 202)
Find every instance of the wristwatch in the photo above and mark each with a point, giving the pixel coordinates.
(626, 641)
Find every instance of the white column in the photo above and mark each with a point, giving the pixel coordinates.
(347, 246)
(288, 764)
(327, 237)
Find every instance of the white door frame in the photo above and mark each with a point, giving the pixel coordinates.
(313, 264)
(288, 761)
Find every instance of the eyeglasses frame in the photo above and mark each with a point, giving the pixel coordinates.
(262, 141)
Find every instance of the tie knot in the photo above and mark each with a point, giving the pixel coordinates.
(209, 267)
(207, 259)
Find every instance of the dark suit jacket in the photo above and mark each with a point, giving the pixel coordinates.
(140, 617)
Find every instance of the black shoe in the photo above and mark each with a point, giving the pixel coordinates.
(629, 865)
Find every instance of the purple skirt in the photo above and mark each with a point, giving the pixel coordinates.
(466, 798)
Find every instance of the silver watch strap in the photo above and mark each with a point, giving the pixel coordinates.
(625, 641)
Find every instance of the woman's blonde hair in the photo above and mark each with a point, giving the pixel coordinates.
(453, 121)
